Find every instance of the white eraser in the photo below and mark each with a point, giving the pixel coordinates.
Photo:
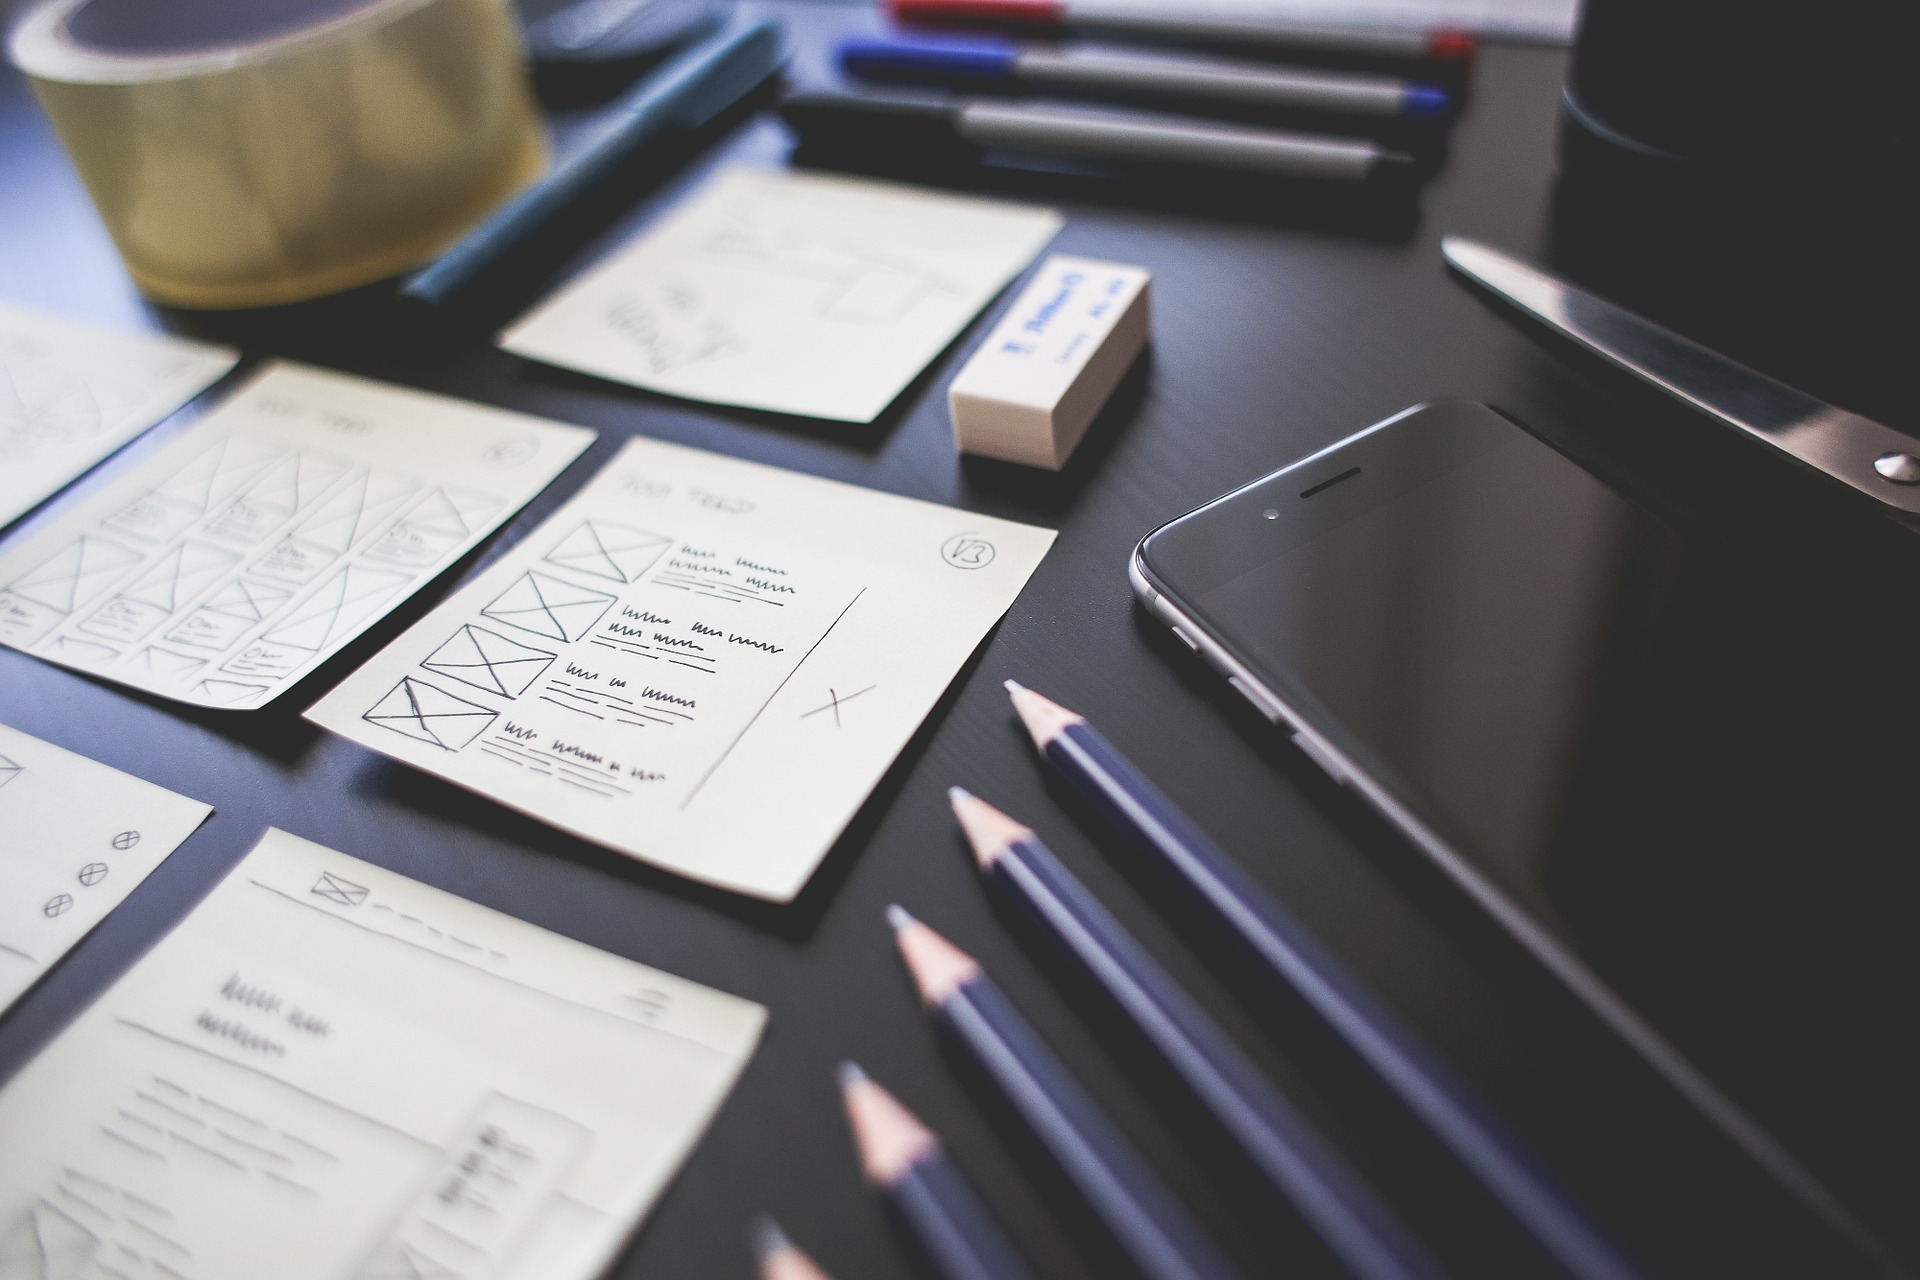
(1030, 391)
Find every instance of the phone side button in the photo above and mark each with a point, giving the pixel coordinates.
(1261, 702)
(1312, 751)
(1186, 639)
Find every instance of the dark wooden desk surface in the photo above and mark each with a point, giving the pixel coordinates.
(1270, 340)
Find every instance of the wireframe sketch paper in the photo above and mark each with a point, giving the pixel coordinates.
(332, 1072)
(798, 293)
(276, 529)
(70, 394)
(703, 663)
(76, 837)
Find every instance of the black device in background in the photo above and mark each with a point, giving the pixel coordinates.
(1680, 775)
(586, 51)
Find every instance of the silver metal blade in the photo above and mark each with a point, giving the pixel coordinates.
(1868, 457)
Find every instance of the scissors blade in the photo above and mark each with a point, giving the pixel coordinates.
(1866, 456)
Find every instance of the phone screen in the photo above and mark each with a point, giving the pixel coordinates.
(1697, 768)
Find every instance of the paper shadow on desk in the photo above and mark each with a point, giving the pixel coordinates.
(1384, 214)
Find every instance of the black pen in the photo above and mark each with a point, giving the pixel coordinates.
(1329, 1194)
(967, 128)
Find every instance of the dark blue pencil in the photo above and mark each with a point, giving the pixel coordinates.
(689, 90)
(1330, 1195)
(1477, 1140)
(904, 1161)
(1155, 1232)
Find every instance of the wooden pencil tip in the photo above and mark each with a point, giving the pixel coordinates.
(890, 1138)
(850, 1074)
(898, 916)
(1013, 686)
(1043, 717)
(768, 1237)
(938, 968)
(988, 830)
(779, 1257)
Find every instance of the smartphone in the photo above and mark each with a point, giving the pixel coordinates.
(1682, 777)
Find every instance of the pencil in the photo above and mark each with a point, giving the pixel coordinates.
(1495, 1157)
(779, 1257)
(1329, 1194)
(1155, 1232)
(903, 1160)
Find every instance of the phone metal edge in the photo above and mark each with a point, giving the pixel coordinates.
(1538, 940)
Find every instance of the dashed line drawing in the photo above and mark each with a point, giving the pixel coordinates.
(488, 661)
(607, 550)
(544, 605)
(75, 574)
(430, 714)
(835, 701)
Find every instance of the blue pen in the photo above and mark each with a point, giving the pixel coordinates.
(1496, 1157)
(687, 92)
(1102, 71)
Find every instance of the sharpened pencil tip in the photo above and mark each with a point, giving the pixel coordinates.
(1044, 718)
(850, 1074)
(768, 1237)
(956, 794)
(1013, 686)
(898, 916)
(989, 831)
(938, 968)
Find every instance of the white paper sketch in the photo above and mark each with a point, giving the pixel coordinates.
(799, 293)
(330, 1072)
(283, 524)
(76, 838)
(70, 394)
(703, 663)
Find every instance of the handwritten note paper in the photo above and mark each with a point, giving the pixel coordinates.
(75, 839)
(71, 394)
(798, 293)
(329, 1071)
(282, 525)
(700, 662)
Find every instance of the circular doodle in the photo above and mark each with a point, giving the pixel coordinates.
(967, 551)
(58, 905)
(93, 873)
(126, 840)
(509, 450)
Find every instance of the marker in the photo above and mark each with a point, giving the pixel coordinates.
(1208, 23)
(1295, 958)
(1097, 70)
(965, 128)
(779, 1257)
(905, 1163)
(1329, 1194)
(1144, 1218)
(687, 92)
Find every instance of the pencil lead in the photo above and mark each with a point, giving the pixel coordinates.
(779, 1257)
(956, 794)
(1013, 686)
(989, 831)
(937, 967)
(1044, 718)
(850, 1074)
(889, 1138)
(898, 916)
